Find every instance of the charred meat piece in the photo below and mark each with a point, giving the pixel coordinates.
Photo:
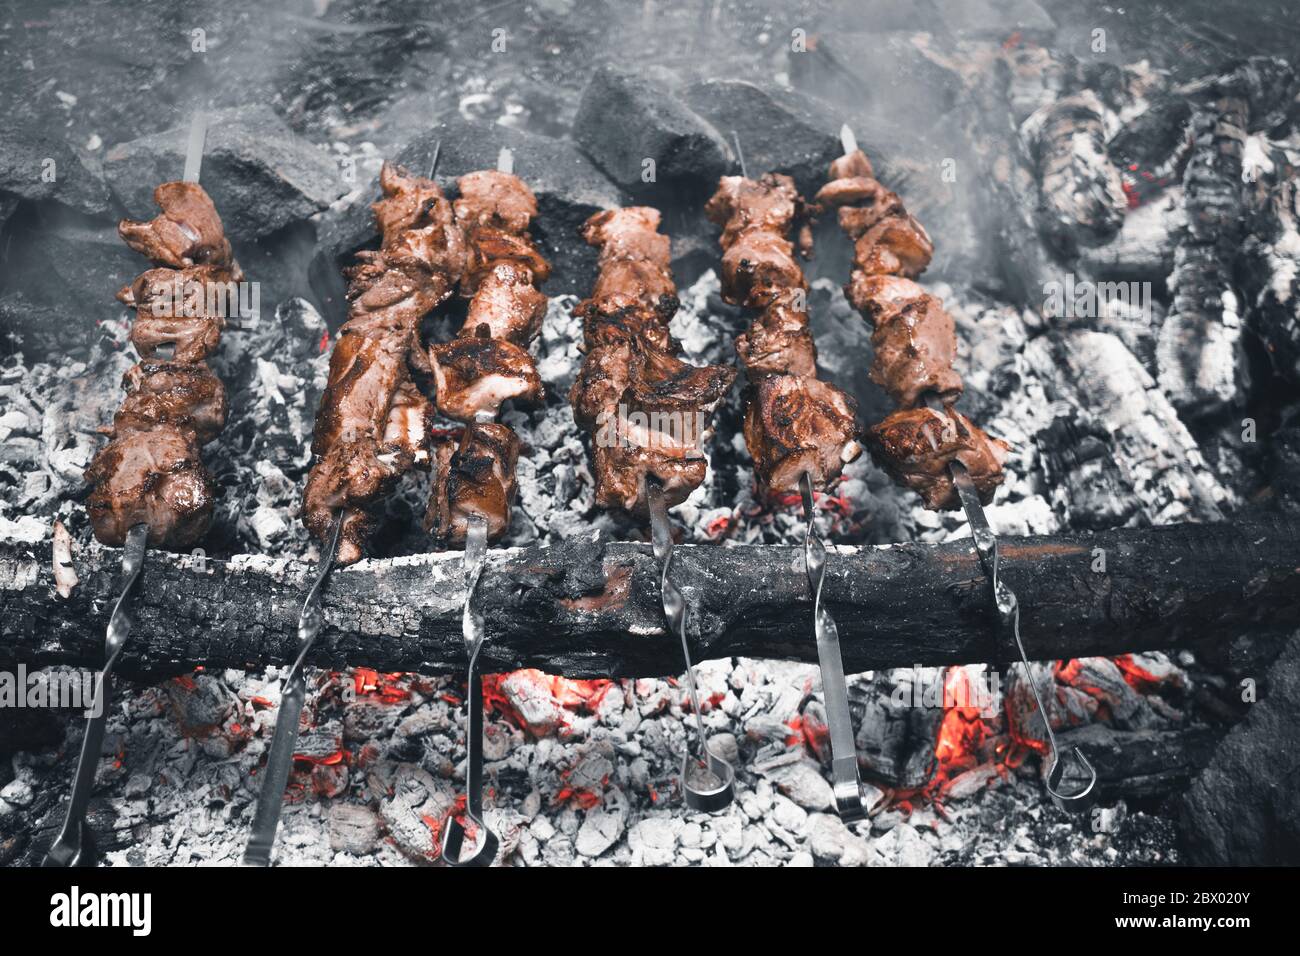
(173, 393)
(795, 424)
(153, 476)
(757, 267)
(897, 246)
(188, 340)
(778, 342)
(599, 386)
(880, 296)
(366, 372)
(621, 470)
(660, 382)
(488, 247)
(850, 165)
(474, 376)
(507, 305)
(495, 199)
(916, 345)
(858, 220)
(188, 232)
(916, 446)
(622, 326)
(390, 296)
(477, 478)
(629, 233)
(742, 205)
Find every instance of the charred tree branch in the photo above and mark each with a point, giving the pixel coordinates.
(590, 608)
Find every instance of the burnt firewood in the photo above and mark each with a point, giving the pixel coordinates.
(1200, 355)
(590, 608)
(1081, 196)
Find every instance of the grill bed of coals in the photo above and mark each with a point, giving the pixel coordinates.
(1124, 417)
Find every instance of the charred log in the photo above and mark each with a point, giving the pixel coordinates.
(590, 608)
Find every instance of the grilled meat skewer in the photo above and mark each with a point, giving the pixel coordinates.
(915, 343)
(151, 471)
(488, 362)
(794, 423)
(647, 409)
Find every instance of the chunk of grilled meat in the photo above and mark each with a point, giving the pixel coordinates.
(916, 345)
(507, 305)
(184, 309)
(658, 381)
(186, 233)
(622, 326)
(633, 262)
(741, 205)
(188, 396)
(897, 245)
(488, 247)
(796, 424)
(778, 342)
(916, 446)
(474, 376)
(492, 198)
(153, 476)
(478, 477)
(620, 472)
(758, 267)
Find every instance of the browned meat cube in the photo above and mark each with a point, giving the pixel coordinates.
(173, 393)
(187, 233)
(916, 345)
(508, 306)
(155, 477)
(778, 342)
(917, 445)
(898, 245)
(495, 199)
(477, 478)
(621, 470)
(795, 424)
(474, 376)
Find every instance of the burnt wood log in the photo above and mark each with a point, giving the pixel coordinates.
(590, 608)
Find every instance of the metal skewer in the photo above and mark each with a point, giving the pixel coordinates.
(266, 820)
(740, 154)
(1007, 607)
(847, 784)
(74, 845)
(474, 633)
(708, 795)
(472, 627)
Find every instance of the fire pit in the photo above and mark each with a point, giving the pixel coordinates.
(1114, 232)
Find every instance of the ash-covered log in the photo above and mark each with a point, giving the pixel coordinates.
(590, 608)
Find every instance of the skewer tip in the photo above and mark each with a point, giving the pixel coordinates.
(848, 140)
(433, 160)
(506, 160)
(740, 154)
(194, 150)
